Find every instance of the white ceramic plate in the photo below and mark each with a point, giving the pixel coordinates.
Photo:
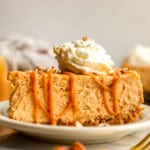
(63, 134)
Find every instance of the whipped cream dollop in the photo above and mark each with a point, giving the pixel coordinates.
(140, 56)
(83, 56)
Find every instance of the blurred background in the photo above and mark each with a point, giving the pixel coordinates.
(118, 25)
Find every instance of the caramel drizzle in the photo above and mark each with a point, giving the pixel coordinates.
(72, 90)
(65, 110)
(72, 102)
(105, 91)
(48, 95)
(115, 95)
(107, 106)
(35, 97)
(98, 81)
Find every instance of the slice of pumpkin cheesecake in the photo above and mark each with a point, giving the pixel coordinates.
(56, 98)
(86, 91)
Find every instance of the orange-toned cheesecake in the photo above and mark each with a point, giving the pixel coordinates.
(69, 97)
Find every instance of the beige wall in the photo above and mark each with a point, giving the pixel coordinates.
(117, 24)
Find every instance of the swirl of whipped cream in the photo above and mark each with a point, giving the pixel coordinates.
(140, 56)
(83, 56)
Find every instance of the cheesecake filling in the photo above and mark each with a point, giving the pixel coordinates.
(83, 56)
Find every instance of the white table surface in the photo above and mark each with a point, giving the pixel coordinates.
(17, 141)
